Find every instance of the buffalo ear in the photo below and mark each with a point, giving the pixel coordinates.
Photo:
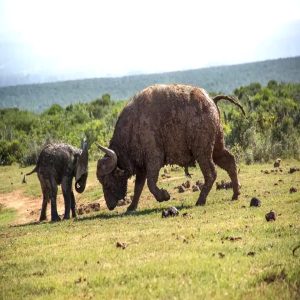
(82, 162)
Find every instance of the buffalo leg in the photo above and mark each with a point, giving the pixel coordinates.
(73, 205)
(66, 187)
(159, 194)
(53, 193)
(138, 187)
(210, 174)
(43, 215)
(226, 161)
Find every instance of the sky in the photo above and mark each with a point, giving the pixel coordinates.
(118, 37)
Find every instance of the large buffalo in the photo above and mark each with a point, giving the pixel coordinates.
(165, 124)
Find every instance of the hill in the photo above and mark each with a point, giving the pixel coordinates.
(37, 97)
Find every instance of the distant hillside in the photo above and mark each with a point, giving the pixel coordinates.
(37, 97)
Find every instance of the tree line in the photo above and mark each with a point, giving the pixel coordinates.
(270, 129)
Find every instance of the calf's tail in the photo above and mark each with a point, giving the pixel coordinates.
(27, 174)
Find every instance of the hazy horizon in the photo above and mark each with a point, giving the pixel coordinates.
(55, 40)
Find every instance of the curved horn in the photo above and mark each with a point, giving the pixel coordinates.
(107, 164)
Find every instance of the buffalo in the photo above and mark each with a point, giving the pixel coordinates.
(165, 124)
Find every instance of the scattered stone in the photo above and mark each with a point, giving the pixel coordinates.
(187, 215)
(195, 188)
(275, 183)
(121, 245)
(277, 163)
(221, 255)
(181, 189)
(187, 184)
(223, 185)
(293, 190)
(266, 172)
(231, 238)
(251, 253)
(125, 201)
(170, 212)
(87, 208)
(271, 216)
(293, 170)
(274, 277)
(255, 202)
(199, 184)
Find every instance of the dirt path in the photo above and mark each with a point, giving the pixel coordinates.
(28, 208)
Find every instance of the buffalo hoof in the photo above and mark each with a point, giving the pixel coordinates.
(55, 219)
(235, 196)
(200, 202)
(131, 208)
(163, 196)
(43, 218)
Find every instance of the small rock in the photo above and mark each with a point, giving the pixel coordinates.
(251, 253)
(221, 255)
(186, 215)
(293, 190)
(170, 212)
(181, 189)
(186, 184)
(271, 216)
(195, 188)
(121, 245)
(277, 163)
(293, 170)
(255, 202)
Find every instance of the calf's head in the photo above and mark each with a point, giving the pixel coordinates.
(82, 169)
(112, 178)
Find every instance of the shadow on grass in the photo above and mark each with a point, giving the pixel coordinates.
(144, 212)
(106, 216)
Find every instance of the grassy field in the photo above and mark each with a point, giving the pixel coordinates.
(224, 250)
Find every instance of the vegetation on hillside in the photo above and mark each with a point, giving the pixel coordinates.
(270, 129)
(225, 79)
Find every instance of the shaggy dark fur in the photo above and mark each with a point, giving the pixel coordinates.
(58, 164)
(166, 124)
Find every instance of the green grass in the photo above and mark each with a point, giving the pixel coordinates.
(173, 258)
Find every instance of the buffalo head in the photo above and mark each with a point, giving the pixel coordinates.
(82, 169)
(112, 178)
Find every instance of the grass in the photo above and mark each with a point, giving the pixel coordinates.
(174, 258)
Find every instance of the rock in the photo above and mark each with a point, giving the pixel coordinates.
(195, 188)
(170, 212)
(187, 184)
(181, 189)
(255, 202)
(251, 253)
(121, 245)
(199, 184)
(87, 208)
(293, 190)
(271, 216)
(277, 163)
(293, 170)
(186, 215)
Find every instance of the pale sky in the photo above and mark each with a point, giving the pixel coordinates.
(120, 37)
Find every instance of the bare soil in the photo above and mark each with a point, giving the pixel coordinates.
(27, 208)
